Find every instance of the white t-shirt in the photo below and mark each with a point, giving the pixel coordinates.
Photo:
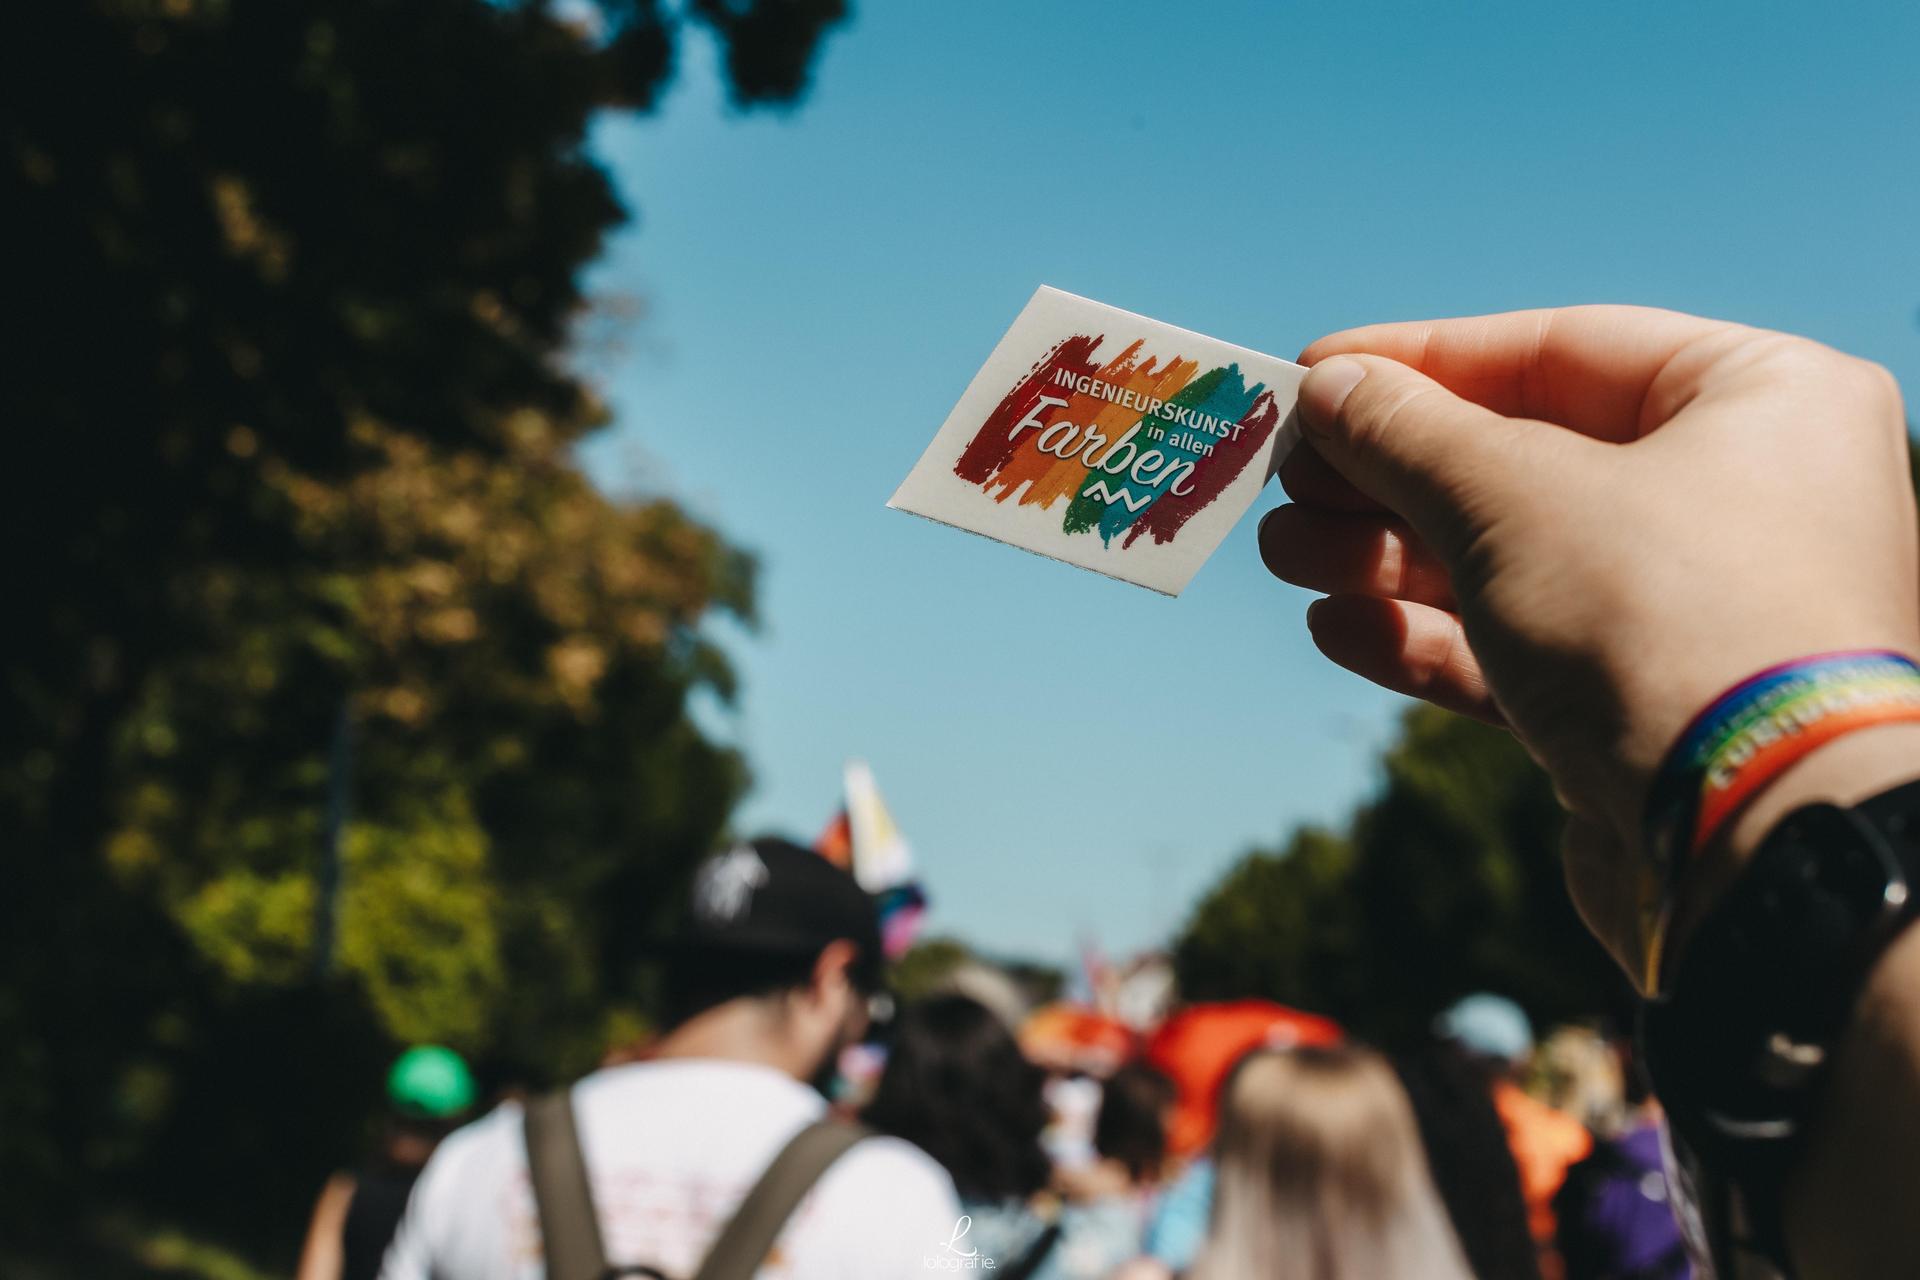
(671, 1149)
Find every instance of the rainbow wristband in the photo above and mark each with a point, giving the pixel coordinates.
(1745, 738)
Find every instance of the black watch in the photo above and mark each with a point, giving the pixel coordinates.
(1739, 1047)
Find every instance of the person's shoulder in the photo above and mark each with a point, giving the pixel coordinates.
(876, 1213)
(449, 1209)
(486, 1150)
(682, 1084)
(886, 1156)
(891, 1170)
(501, 1125)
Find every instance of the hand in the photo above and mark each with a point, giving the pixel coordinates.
(1585, 523)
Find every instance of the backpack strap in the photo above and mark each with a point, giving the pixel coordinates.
(569, 1225)
(743, 1244)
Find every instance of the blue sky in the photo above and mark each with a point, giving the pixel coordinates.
(816, 290)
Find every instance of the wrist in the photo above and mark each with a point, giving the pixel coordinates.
(1842, 772)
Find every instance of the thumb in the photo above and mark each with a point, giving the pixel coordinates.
(1407, 442)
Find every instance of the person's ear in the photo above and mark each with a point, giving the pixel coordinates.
(832, 968)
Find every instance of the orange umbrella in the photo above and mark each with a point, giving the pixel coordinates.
(1197, 1046)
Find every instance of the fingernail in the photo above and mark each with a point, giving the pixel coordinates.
(1325, 389)
(1261, 544)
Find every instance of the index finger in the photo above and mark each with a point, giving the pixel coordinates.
(1584, 368)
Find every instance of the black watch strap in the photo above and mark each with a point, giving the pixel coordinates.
(1738, 1049)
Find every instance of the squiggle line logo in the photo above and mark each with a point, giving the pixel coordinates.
(955, 1258)
(1098, 492)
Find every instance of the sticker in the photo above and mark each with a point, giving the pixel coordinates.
(1108, 440)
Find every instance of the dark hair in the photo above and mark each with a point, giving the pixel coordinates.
(957, 1086)
(1132, 1124)
(1467, 1154)
(693, 983)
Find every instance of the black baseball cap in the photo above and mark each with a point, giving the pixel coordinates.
(770, 897)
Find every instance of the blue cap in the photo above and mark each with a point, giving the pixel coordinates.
(1489, 1025)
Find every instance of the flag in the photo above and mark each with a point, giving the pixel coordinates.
(835, 843)
(881, 856)
(862, 838)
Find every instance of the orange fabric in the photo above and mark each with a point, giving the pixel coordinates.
(1071, 1037)
(835, 842)
(1545, 1144)
(1197, 1046)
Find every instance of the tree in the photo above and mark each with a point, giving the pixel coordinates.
(293, 467)
(1280, 925)
(1447, 881)
(932, 963)
(1461, 885)
(928, 966)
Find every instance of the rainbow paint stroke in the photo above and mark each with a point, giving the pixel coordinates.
(1136, 445)
(1108, 440)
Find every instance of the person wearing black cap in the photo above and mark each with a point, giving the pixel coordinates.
(770, 977)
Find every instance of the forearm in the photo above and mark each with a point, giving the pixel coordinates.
(322, 1257)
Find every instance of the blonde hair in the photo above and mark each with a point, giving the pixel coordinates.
(1321, 1176)
(1578, 1072)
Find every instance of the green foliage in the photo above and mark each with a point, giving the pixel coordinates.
(930, 963)
(1448, 881)
(1280, 925)
(927, 966)
(119, 1247)
(294, 441)
(420, 926)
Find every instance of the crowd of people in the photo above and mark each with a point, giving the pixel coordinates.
(1679, 559)
(975, 1148)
